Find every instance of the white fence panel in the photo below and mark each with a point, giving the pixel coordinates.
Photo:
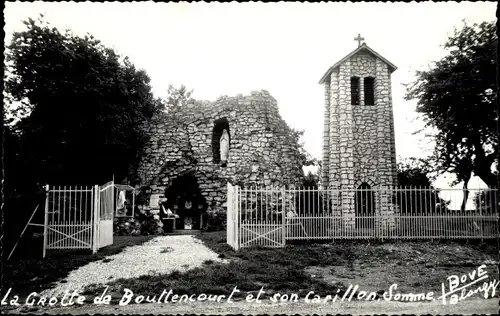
(269, 216)
(69, 218)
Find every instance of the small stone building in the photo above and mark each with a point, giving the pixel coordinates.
(183, 153)
(358, 139)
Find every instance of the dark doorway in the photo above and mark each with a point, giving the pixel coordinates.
(184, 198)
(365, 206)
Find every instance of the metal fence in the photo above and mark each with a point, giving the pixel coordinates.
(78, 217)
(69, 217)
(269, 217)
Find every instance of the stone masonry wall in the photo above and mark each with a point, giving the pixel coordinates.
(261, 153)
(360, 144)
(326, 138)
(334, 149)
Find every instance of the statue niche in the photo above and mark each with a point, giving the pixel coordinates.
(221, 141)
(224, 148)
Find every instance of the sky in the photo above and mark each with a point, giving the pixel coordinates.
(285, 48)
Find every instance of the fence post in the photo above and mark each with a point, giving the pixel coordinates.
(46, 221)
(229, 224)
(95, 216)
(236, 217)
(283, 241)
(481, 222)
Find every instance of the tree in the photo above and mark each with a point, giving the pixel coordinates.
(463, 171)
(457, 98)
(305, 157)
(486, 203)
(79, 107)
(311, 180)
(308, 200)
(417, 194)
(177, 98)
(414, 172)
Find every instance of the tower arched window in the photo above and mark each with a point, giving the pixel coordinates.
(354, 90)
(369, 91)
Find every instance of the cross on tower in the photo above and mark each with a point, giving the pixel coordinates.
(359, 39)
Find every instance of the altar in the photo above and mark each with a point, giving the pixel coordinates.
(189, 216)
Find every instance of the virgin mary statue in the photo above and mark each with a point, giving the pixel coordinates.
(224, 147)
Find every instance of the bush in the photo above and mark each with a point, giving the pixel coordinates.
(216, 219)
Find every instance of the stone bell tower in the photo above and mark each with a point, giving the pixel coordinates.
(358, 139)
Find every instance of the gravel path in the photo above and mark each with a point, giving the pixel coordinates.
(160, 255)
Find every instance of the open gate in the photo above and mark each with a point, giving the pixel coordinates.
(70, 218)
(78, 217)
(106, 211)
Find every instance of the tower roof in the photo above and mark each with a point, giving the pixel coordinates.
(365, 47)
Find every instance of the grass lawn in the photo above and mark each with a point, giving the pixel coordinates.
(28, 272)
(323, 268)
